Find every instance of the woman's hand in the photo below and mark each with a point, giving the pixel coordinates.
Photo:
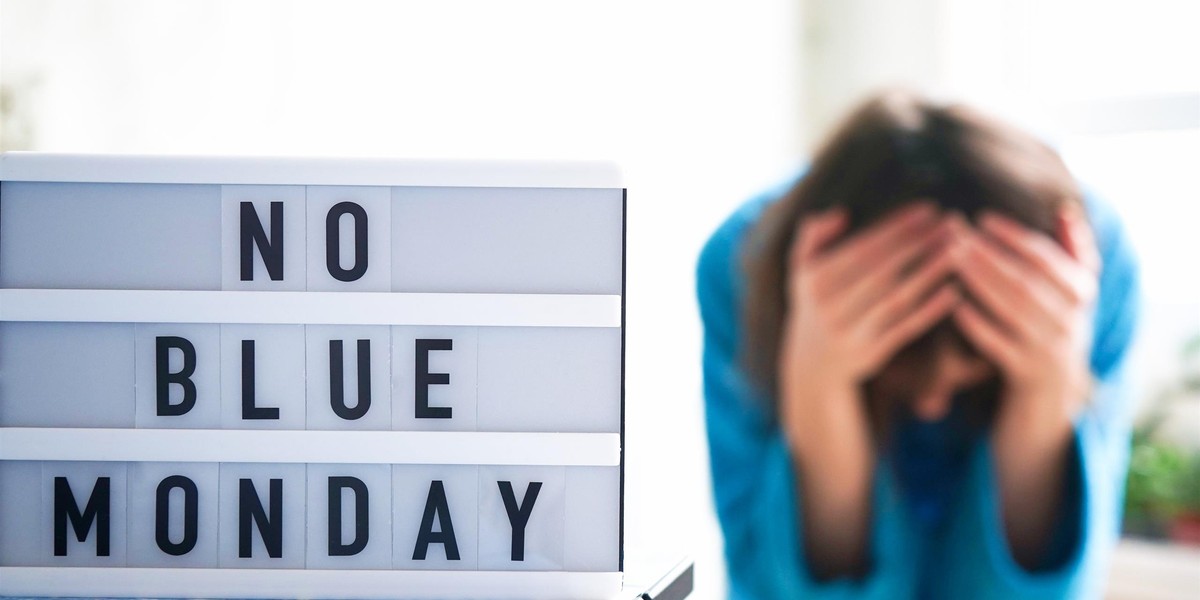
(1033, 322)
(853, 306)
(850, 308)
(1035, 296)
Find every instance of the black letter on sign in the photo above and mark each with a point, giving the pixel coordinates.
(333, 241)
(518, 516)
(270, 528)
(337, 387)
(436, 505)
(253, 235)
(361, 525)
(164, 377)
(424, 379)
(97, 509)
(162, 513)
(249, 410)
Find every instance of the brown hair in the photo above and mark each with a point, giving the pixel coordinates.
(893, 149)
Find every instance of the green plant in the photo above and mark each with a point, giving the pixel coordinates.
(1164, 478)
(1187, 493)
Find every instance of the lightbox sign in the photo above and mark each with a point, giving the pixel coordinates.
(229, 377)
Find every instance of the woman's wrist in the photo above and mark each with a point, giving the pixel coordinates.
(1033, 416)
(828, 434)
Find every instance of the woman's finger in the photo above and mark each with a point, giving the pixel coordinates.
(883, 277)
(847, 260)
(988, 337)
(916, 322)
(1017, 297)
(1054, 262)
(1078, 237)
(892, 307)
(815, 232)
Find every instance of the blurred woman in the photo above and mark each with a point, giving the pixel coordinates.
(912, 364)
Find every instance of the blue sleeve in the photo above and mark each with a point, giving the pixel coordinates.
(975, 550)
(756, 493)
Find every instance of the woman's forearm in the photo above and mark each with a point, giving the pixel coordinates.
(834, 462)
(1032, 448)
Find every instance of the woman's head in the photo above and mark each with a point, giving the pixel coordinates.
(891, 151)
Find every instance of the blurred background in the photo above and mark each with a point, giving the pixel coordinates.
(702, 104)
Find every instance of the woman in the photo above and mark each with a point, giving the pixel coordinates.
(912, 363)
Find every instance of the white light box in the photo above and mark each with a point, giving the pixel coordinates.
(251, 377)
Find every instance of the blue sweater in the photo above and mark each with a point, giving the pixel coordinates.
(936, 528)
